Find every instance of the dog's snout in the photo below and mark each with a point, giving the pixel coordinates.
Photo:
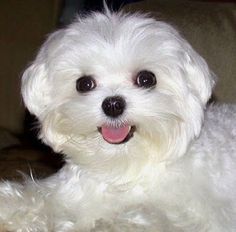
(113, 106)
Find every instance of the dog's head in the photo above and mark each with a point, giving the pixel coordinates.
(117, 87)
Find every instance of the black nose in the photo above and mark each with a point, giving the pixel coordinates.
(113, 106)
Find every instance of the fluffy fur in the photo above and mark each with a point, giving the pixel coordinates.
(177, 172)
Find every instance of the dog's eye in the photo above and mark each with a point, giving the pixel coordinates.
(85, 84)
(145, 79)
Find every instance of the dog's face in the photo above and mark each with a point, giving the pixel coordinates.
(113, 87)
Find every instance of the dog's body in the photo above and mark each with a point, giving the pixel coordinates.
(124, 97)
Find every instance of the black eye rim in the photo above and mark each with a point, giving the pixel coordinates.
(83, 81)
(150, 75)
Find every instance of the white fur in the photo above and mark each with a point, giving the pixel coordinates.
(176, 174)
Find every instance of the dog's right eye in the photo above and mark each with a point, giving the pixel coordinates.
(85, 84)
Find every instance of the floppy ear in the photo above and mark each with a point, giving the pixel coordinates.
(35, 89)
(200, 78)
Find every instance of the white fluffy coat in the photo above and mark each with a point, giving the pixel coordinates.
(177, 173)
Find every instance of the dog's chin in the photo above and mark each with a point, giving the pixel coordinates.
(117, 135)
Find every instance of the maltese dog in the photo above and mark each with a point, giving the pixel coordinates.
(124, 97)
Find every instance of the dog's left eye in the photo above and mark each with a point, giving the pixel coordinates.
(145, 79)
(85, 84)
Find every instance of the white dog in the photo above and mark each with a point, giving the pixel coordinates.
(123, 97)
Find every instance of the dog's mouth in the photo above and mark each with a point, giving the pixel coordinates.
(117, 135)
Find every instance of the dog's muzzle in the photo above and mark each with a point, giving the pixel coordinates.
(113, 107)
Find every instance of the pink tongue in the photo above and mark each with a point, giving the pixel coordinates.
(115, 135)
